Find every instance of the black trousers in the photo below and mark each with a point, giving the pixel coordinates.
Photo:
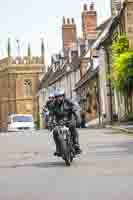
(74, 132)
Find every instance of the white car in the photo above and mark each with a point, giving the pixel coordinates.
(20, 122)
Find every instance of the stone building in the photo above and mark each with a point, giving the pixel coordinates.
(106, 101)
(67, 71)
(19, 81)
(63, 73)
(66, 75)
(126, 16)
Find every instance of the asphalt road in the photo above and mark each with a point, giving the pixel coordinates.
(29, 171)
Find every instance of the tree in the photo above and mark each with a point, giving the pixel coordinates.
(122, 69)
(120, 46)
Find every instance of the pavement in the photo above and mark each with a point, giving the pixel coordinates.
(29, 171)
(122, 127)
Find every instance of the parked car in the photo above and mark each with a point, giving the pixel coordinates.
(20, 122)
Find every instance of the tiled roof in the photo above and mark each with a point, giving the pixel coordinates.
(51, 77)
(45, 80)
(103, 25)
(104, 35)
(61, 71)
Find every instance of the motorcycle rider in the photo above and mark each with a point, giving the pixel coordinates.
(48, 108)
(65, 108)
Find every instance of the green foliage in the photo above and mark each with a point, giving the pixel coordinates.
(120, 46)
(120, 70)
(122, 63)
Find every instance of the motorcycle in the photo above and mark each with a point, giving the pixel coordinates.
(66, 146)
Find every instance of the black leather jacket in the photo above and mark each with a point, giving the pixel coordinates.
(65, 110)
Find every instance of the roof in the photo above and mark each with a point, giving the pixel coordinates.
(44, 81)
(88, 76)
(61, 71)
(51, 77)
(103, 36)
(104, 24)
(109, 27)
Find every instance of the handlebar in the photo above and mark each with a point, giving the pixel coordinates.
(61, 122)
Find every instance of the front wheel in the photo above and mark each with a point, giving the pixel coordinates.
(68, 163)
(70, 153)
(65, 150)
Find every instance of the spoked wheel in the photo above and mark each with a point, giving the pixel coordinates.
(70, 154)
(65, 151)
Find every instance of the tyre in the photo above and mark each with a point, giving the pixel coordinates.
(70, 153)
(64, 150)
(71, 157)
(68, 159)
(68, 163)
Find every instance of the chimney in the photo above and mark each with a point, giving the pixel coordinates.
(68, 21)
(64, 21)
(89, 22)
(73, 21)
(92, 6)
(85, 7)
(69, 33)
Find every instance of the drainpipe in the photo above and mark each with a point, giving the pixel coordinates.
(109, 85)
(98, 98)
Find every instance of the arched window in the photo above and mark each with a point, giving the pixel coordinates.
(28, 87)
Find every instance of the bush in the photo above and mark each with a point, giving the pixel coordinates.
(122, 68)
(120, 71)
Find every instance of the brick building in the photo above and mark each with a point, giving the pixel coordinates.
(69, 33)
(89, 22)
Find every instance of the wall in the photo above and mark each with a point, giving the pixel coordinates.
(12, 97)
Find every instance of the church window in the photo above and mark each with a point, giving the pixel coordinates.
(28, 87)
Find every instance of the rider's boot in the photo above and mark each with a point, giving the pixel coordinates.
(57, 152)
(77, 149)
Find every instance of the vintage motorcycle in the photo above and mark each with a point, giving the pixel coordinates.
(66, 146)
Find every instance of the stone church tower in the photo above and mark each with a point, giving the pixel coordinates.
(19, 82)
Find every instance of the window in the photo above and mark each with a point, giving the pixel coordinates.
(28, 87)
(22, 118)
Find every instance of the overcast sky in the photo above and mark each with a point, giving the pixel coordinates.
(29, 20)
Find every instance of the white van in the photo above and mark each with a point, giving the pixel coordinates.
(20, 122)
